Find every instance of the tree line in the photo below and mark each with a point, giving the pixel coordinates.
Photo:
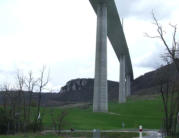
(19, 113)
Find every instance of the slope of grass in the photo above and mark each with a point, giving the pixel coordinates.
(133, 113)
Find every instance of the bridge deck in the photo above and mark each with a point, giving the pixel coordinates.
(115, 33)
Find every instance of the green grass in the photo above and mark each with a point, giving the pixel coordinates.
(145, 111)
(136, 112)
(77, 135)
(30, 136)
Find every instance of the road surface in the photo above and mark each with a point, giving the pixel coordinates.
(152, 134)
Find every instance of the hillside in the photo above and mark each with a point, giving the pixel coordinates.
(137, 110)
(149, 83)
(81, 90)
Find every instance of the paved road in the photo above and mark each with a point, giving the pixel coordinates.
(152, 134)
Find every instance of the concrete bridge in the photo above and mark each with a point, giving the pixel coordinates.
(109, 24)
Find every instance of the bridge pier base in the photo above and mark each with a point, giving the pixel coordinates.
(100, 96)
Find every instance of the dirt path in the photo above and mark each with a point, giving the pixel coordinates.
(82, 105)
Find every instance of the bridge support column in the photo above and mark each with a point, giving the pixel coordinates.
(128, 85)
(122, 83)
(100, 96)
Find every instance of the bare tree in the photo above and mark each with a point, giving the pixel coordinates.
(10, 104)
(18, 101)
(58, 120)
(167, 91)
(21, 98)
(172, 53)
(30, 83)
(20, 78)
(42, 83)
(5, 95)
(170, 96)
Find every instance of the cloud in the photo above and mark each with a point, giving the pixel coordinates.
(152, 60)
(141, 71)
(142, 8)
(61, 35)
(8, 22)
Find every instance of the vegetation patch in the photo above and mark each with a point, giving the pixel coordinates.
(129, 115)
(74, 135)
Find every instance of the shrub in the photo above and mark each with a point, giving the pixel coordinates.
(3, 121)
(7, 123)
(35, 125)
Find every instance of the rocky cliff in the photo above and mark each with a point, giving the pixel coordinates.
(74, 85)
(82, 90)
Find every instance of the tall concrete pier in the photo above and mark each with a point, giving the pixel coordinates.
(122, 82)
(100, 97)
(109, 24)
(128, 85)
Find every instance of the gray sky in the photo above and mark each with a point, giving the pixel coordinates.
(62, 36)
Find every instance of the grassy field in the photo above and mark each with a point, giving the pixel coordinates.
(77, 135)
(137, 111)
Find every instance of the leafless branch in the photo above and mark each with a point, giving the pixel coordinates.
(20, 80)
(147, 35)
(43, 81)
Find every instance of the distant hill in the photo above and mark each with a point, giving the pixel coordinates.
(149, 83)
(75, 91)
(81, 90)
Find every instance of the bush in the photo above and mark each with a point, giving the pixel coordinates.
(10, 124)
(59, 121)
(33, 103)
(7, 123)
(35, 126)
(3, 121)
